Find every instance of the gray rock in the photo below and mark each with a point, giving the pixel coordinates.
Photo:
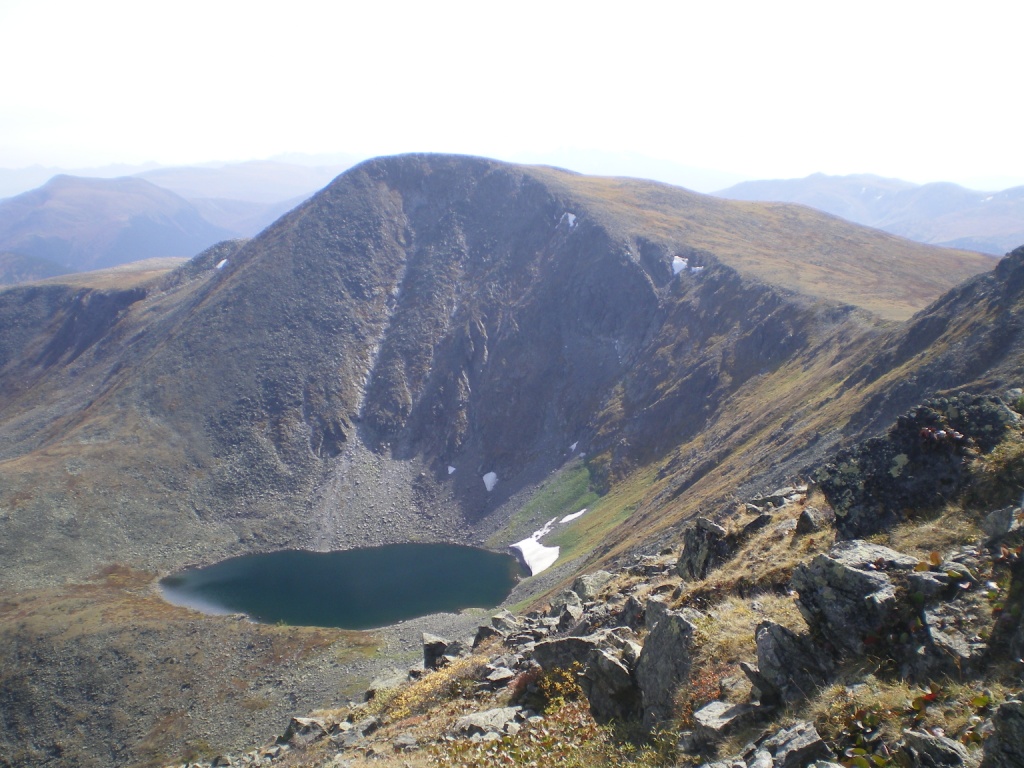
(812, 520)
(790, 665)
(1003, 522)
(606, 660)
(705, 546)
(929, 751)
(302, 731)
(565, 598)
(847, 595)
(490, 721)
(405, 743)
(654, 610)
(433, 650)
(485, 632)
(1005, 747)
(664, 664)
(761, 521)
(367, 725)
(713, 721)
(589, 585)
(388, 683)
(797, 746)
(955, 630)
(506, 622)
(569, 617)
(918, 464)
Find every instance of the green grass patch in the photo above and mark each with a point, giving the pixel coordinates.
(567, 492)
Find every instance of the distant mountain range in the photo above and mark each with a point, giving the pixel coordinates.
(73, 224)
(939, 213)
(77, 224)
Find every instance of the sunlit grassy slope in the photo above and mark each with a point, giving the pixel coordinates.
(828, 258)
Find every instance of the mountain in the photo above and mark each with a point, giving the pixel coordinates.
(939, 213)
(23, 269)
(83, 224)
(315, 386)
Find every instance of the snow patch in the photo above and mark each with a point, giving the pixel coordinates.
(679, 264)
(985, 200)
(696, 270)
(221, 264)
(536, 556)
(569, 219)
(490, 480)
(451, 470)
(573, 446)
(573, 516)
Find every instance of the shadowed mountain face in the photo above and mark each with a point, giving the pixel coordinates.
(347, 377)
(82, 224)
(939, 213)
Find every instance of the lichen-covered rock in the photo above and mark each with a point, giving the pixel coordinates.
(665, 664)
(705, 545)
(847, 595)
(813, 519)
(606, 661)
(717, 718)
(797, 746)
(930, 751)
(918, 465)
(1005, 747)
(791, 666)
(491, 721)
(589, 585)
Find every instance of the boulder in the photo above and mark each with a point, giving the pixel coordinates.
(664, 664)
(797, 746)
(848, 596)
(790, 665)
(606, 661)
(706, 545)
(434, 648)
(490, 721)
(1005, 747)
(589, 585)
(918, 464)
(302, 731)
(387, 683)
(927, 750)
(714, 720)
(405, 742)
(812, 520)
(955, 631)
(506, 622)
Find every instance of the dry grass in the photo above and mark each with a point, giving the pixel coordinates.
(786, 245)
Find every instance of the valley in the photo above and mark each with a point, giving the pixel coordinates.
(354, 374)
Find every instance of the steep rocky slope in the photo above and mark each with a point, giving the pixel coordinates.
(312, 387)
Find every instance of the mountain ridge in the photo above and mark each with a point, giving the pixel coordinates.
(311, 386)
(940, 213)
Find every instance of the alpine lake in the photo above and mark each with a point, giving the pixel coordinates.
(351, 589)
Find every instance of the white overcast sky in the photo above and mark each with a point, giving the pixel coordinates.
(924, 91)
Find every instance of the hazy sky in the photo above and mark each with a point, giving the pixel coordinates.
(923, 91)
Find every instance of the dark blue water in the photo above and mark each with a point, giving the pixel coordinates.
(354, 589)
